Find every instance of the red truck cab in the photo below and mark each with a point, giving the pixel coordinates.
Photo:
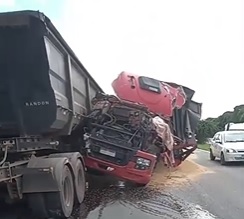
(121, 137)
(160, 97)
(138, 170)
(171, 101)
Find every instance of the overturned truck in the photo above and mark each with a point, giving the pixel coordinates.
(125, 136)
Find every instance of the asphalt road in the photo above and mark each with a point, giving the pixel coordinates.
(218, 194)
(221, 191)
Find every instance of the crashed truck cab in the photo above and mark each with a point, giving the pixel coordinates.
(171, 101)
(120, 139)
(126, 135)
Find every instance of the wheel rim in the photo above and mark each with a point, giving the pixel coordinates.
(67, 191)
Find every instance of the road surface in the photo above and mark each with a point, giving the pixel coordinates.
(216, 192)
(221, 191)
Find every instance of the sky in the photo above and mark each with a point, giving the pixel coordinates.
(196, 43)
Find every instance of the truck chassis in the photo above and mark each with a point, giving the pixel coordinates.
(51, 184)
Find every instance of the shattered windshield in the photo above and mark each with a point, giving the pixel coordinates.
(234, 137)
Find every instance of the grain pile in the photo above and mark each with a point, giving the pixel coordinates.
(179, 176)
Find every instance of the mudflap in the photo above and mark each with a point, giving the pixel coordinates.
(42, 174)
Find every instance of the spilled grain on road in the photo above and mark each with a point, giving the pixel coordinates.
(188, 171)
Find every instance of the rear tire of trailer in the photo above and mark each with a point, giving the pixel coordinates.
(79, 181)
(55, 204)
(62, 201)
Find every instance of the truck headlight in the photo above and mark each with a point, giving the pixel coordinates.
(142, 163)
(230, 151)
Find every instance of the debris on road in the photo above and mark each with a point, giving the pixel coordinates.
(188, 170)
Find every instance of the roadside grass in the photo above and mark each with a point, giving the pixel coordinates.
(203, 147)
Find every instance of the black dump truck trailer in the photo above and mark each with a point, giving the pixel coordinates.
(45, 92)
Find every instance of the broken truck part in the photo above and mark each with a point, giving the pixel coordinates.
(126, 135)
(45, 92)
(121, 140)
(172, 102)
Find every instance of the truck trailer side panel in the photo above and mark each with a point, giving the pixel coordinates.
(44, 87)
(44, 92)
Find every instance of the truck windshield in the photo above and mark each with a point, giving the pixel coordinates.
(234, 137)
(149, 84)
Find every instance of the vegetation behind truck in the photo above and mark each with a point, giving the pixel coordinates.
(45, 92)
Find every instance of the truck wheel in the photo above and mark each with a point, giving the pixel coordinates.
(61, 203)
(55, 204)
(212, 157)
(80, 181)
(78, 171)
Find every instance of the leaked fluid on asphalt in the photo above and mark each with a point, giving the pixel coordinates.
(106, 202)
(110, 201)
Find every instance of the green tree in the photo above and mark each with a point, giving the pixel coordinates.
(208, 127)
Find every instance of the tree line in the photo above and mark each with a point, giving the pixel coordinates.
(208, 127)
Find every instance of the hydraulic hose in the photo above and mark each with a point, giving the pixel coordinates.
(5, 156)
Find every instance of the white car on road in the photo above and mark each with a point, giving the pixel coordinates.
(228, 146)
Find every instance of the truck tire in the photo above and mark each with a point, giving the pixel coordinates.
(55, 204)
(78, 170)
(79, 181)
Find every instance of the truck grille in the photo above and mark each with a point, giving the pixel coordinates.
(114, 154)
